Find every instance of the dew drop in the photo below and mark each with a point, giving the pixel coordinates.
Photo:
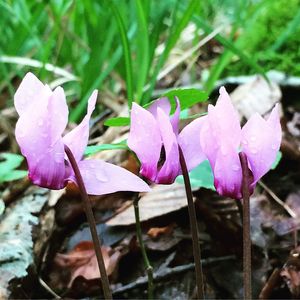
(254, 151)
(40, 123)
(235, 167)
(101, 177)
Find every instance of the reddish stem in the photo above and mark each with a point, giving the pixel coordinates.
(92, 223)
(246, 226)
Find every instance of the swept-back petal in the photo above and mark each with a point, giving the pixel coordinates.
(77, 139)
(145, 140)
(260, 142)
(103, 178)
(163, 103)
(38, 133)
(189, 141)
(228, 172)
(26, 97)
(175, 118)
(171, 167)
(224, 120)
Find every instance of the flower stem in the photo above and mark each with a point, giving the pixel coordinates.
(148, 267)
(246, 226)
(193, 224)
(92, 223)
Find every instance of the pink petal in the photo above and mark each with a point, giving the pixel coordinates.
(38, 133)
(171, 167)
(144, 139)
(260, 142)
(189, 141)
(221, 124)
(28, 94)
(175, 118)
(228, 172)
(162, 103)
(103, 178)
(77, 139)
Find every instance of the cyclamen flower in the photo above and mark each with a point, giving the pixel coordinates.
(154, 137)
(43, 118)
(222, 138)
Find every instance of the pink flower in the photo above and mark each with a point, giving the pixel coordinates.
(154, 137)
(222, 138)
(43, 119)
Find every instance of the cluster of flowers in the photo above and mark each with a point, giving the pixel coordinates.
(154, 137)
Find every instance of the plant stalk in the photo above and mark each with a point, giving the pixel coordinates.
(194, 227)
(92, 223)
(147, 264)
(246, 226)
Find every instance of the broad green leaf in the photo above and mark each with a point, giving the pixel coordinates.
(8, 165)
(277, 160)
(201, 176)
(119, 121)
(97, 148)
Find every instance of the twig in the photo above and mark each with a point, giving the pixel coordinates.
(278, 200)
(193, 224)
(270, 284)
(92, 224)
(164, 273)
(246, 226)
(148, 267)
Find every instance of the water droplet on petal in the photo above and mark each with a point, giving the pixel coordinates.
(253, 150)
(223, 150)
(235, 167)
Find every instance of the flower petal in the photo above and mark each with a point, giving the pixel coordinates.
(77, 139)
(260, 142)
(162, 103)
(175, 118)
(103, 178)
(145, 140)
(27, 95)
(189, 141)
(228, 172)
(171, 167)
(38, 133)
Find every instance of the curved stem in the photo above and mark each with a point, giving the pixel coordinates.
(92, 223)
(143, 249)
(246, 226)
(194, 227)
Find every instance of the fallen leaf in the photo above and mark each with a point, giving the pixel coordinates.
(255, 96)
(155, 232)
(82, 261)
(162, 200)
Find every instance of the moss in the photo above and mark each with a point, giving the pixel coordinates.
(262, 32)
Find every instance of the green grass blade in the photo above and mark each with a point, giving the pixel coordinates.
(126, 53)
(142, 50)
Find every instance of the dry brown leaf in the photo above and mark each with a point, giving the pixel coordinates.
(255, 96)
(162, 200)
(155, 232)
(82, 261)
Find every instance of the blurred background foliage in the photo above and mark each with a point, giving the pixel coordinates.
(126, 48)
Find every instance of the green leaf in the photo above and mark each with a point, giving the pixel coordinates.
(8, 165)
(119, 121)
(277, 160)
(201, 176)
(97, 148)
(187, 97)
